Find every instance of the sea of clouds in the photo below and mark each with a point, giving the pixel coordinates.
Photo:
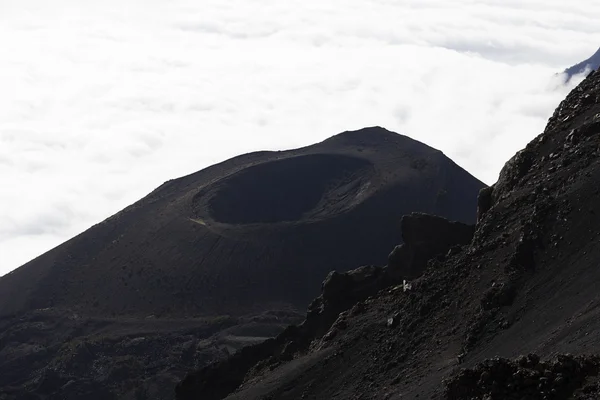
(101, 102)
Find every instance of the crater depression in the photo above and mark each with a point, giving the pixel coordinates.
(297, 188)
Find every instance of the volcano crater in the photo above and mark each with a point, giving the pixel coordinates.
(307, 187)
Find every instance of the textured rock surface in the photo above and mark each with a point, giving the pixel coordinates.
(524, 378)
(425, 237)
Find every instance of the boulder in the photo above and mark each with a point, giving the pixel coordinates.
(425, 237)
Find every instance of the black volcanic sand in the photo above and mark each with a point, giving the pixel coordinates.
(212, 262)
(512, 315)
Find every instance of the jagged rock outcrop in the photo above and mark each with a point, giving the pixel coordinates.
(484, 201)
(342, 296)
(425, 236)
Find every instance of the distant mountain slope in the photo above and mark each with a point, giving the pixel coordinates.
(257, 232)
(591, 64)
(525, 288)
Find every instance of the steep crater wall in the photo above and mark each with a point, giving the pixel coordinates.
(292, 189)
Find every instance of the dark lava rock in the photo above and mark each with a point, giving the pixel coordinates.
(431, 230)
(425, 236)
(524, 378)
(484, 201)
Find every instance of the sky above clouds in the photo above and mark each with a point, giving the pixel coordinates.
(101, 102)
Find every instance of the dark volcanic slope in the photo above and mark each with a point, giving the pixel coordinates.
(527, 283)
(590, 64)
(256, 232)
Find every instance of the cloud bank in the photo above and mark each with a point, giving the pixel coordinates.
(103, 102)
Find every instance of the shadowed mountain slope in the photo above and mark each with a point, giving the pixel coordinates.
(591, 64)
(527, 284)
(254, 233)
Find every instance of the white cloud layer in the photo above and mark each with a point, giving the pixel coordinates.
(101, 102)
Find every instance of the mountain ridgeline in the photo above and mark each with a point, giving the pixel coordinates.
(591, 64)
